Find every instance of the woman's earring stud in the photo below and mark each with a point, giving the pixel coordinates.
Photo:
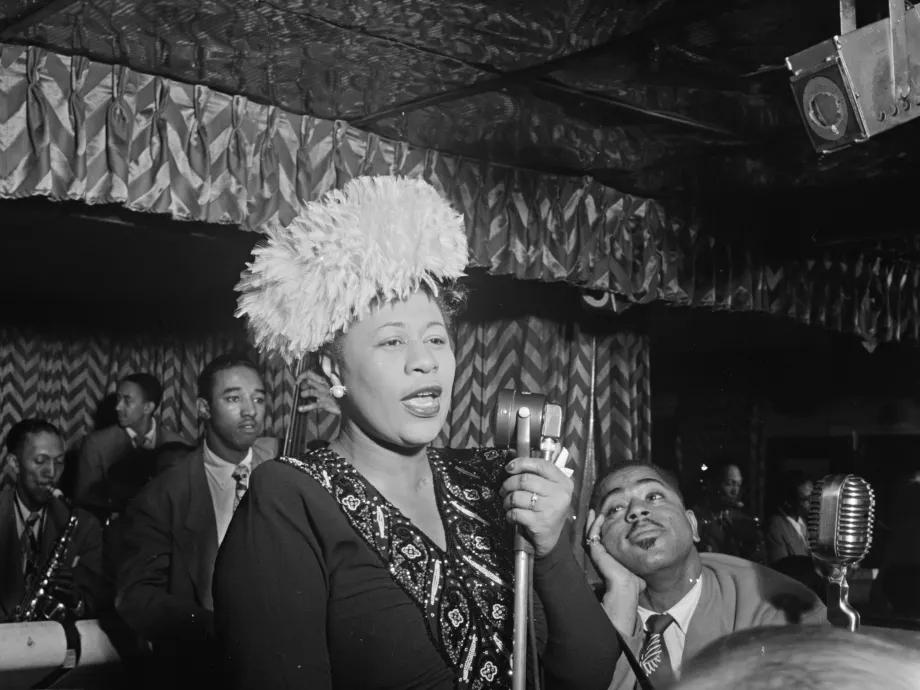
(337, 391)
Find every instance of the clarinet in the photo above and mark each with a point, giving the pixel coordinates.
(37, 604)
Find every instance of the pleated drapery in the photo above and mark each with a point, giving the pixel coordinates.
(72, 128)
(63, 377)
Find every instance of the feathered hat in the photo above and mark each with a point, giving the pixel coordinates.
(378, 238)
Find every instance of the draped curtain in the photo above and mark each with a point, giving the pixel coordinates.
(63, 377)
(72, 128)
(568, 363)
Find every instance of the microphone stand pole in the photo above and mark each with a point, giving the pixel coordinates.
(523, 569)
(840, 613)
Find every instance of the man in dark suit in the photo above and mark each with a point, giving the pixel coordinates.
(175, 525)
(117, 461)
(787, 534)
(32, 521)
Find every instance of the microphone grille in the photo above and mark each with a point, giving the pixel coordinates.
(856, 518)
(841, 518)
(814, 516)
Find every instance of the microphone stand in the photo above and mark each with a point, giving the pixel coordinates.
(523, 557)
(843, 615)
(523, 568)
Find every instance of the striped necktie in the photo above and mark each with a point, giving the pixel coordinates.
(654, 659)
(29, 544)
(241, 475)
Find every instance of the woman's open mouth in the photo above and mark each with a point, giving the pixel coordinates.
(423, 405)
(424, 402)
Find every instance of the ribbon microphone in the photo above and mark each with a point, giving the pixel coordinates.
(841, 516)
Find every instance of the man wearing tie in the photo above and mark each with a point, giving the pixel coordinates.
(175, 525)
(31, 522)
(667, 600)
(117, 461)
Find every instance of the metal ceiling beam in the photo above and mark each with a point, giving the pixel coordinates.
(517, 81)
(16, 25)
(531, 74)
(504, 80)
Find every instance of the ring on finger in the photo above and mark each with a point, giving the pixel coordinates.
(533, 500)
(593, 541)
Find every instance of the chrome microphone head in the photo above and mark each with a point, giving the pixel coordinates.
(841, 518)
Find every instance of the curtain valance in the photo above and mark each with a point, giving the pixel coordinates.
(72, 128)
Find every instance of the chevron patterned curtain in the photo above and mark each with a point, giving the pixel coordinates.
(558, 359)
(63, 377)
(73, 128)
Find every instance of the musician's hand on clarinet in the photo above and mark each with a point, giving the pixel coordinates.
(66, 590)
(538, 498)
(315, 395)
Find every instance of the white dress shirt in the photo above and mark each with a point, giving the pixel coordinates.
(222, 486)
(799, 525)
(676, 634)
(150, 438)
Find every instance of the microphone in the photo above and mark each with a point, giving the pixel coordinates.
(525, 421)
(841, 516)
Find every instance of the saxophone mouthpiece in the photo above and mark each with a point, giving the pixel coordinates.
(58, 495)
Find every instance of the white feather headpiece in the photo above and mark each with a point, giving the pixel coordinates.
(376, 238)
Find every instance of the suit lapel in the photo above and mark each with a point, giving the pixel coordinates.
(198, 537)
(121, 447)
(798, 539)
(10, 557)
(55, 524)
(265, 448)
(708, 622)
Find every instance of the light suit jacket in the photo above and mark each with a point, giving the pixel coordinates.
(737, 595)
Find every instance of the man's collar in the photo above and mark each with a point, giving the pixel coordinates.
(150, 438)
(21, 507)
(212, 459)
(683, 610)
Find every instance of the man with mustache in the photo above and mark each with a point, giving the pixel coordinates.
(32, 521)
(175, 525)
(666, 599)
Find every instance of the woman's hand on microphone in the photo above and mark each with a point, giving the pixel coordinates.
(538, 498)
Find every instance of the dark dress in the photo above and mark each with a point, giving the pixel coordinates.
(321, 583)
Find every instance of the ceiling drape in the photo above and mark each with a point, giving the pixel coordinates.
(71, 128)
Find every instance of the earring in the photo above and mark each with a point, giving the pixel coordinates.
(337, 391)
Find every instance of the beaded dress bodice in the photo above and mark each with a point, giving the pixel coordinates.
(464, 592)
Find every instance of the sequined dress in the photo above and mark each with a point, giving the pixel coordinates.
(322, 583)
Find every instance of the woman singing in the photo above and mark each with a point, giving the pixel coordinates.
(382, 562)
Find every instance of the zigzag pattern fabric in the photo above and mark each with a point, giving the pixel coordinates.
(63, 379)
(73, 128)
(555, 358)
